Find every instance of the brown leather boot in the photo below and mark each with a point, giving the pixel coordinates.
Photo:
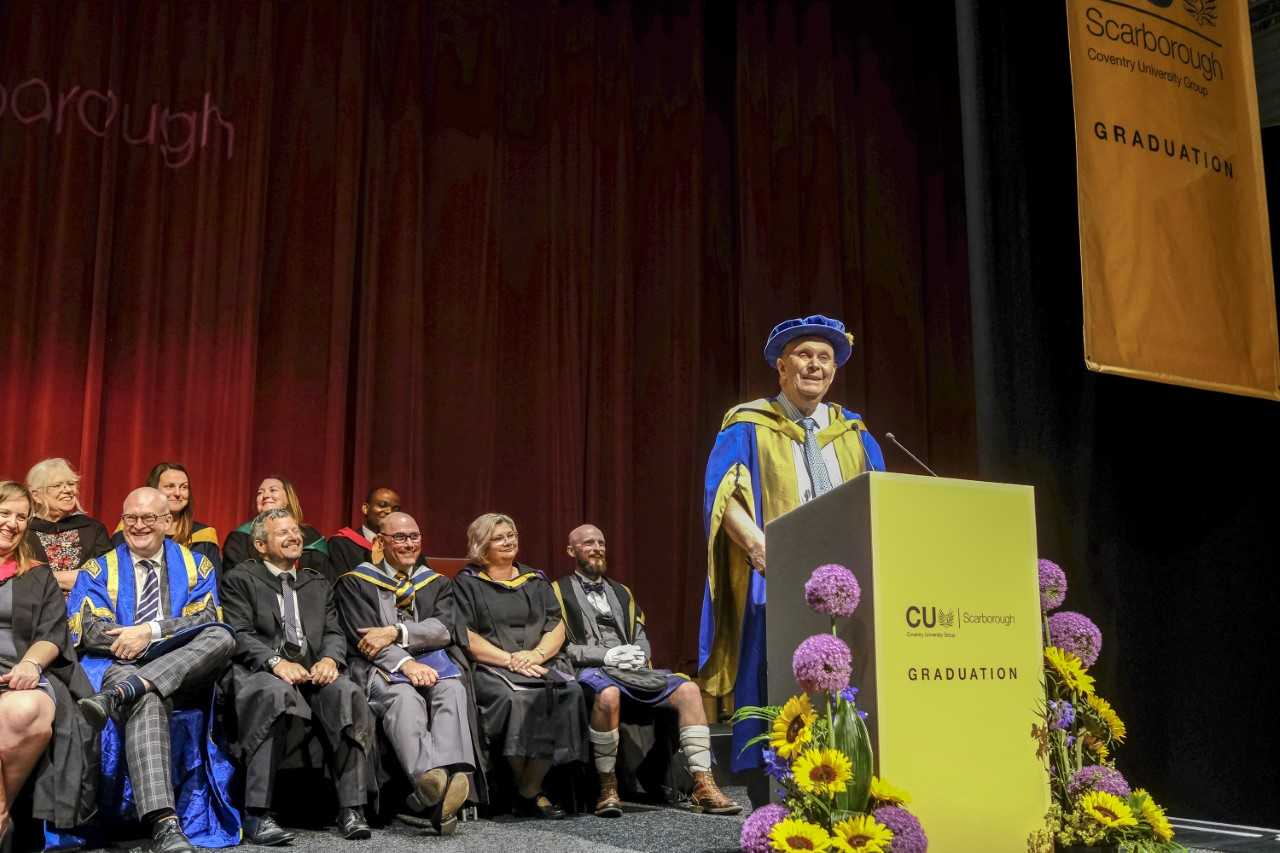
(707, 796)
(609, 804)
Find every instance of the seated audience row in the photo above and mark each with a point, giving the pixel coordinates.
(366, 649)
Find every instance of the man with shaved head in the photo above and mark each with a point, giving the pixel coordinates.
(145, 618)
(405, 652)
(348, 547)
(606, 641)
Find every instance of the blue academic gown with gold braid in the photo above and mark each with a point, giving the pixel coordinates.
(753, 463)
(202, 771)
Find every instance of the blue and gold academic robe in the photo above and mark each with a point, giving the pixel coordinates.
(753, 463)
(202, 771)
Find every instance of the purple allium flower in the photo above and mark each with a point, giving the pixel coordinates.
(1074, 632)
(822, 664)
(908, 834)
(832, 589)
(1096, 777)
(756, 829)
(776, 767)
(1061, 714)
(1053, 586)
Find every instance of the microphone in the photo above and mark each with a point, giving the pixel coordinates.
(917, 459)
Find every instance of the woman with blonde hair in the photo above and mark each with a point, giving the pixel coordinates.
(61, 533)
(40, 682)
(532, 711)
(276, 492)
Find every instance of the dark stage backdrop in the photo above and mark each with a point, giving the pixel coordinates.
(1160, 501)
(506, 256)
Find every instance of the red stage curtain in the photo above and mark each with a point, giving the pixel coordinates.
(499, 256)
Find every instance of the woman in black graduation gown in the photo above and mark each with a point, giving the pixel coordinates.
(277, 492)
(532, 711)
(41, 731)
(61, 533)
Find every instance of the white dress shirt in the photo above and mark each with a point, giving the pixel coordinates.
(140, 581)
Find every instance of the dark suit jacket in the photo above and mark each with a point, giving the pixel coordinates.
(251, 606)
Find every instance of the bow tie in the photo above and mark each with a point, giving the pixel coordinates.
(596, 587)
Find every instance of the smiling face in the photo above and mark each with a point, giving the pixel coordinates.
(381, 503)
(271, 495)
(176, 487)
(503, 545)
(401, 540)
(806, 370)
(586, 546)
(62, 494)
(145, 519)
(283, 543)
(14, 515)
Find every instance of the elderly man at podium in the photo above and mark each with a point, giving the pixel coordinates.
(772, 454)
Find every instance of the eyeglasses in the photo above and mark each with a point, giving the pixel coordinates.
(150, 519)
(404, 538)
(505, 538)
(63, 486)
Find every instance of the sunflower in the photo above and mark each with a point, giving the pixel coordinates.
(1069, 670)
(822, 771)
(1097, 747)
(793, 727)
(792, 834)
(883, 792)
(1153, 816)
(1109, 717)
(864, 834)
(1108, 810)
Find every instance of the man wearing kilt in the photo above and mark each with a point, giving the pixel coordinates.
(607, 644)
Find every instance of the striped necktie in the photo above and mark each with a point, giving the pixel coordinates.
(149, 600)
(818, 474)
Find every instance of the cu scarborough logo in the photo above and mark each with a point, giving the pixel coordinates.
(930, 617)
(1205, 12)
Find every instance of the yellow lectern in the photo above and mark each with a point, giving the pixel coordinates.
(946, 642)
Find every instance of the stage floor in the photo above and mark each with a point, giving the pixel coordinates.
(649, 829)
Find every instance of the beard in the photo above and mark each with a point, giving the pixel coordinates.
(591, 571)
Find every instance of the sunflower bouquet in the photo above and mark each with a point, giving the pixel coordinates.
(1077, 735)
(822, 758)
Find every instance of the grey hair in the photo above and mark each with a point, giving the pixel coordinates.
(480, 530)
(261, 519)
(41, 475)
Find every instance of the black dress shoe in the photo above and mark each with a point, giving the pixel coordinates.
(539, 806)
(263, 829)
(99, 707)
(167, 837)
(352, 825)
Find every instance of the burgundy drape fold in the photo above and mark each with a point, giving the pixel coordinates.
(499, 256)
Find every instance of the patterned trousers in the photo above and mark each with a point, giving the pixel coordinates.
(146, 721)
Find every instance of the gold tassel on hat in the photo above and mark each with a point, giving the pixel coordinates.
(849, 335)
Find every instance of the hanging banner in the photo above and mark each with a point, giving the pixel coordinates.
(1175, 248)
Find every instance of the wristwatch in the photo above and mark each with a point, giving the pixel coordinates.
(272, 661)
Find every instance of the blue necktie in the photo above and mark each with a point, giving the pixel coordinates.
(813, 458)
(149, 601)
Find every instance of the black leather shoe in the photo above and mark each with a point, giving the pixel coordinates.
(263, 829)
(352, 825)
(99, 707)
(166, 835)
(539, 806)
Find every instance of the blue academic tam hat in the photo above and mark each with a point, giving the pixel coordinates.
(815, 326)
